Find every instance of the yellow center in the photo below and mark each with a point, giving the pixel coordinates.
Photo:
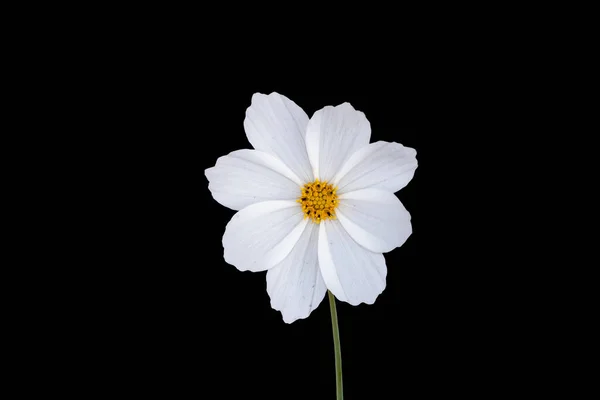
(318, 200)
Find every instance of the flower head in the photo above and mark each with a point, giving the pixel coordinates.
(315, 201)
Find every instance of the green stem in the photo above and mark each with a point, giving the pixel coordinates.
(336, 345)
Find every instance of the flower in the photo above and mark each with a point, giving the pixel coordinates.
(315, 201)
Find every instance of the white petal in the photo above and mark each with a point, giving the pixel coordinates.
(333, 135)
(295, 285)
(276, 125)
(262, 234)
(382, 165)
(375, 219)
(245, 177)
(351, 272)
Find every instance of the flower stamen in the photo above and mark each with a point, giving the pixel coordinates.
(318, 200)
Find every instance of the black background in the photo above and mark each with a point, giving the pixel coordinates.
(137, 299)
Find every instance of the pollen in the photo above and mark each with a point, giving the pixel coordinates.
(318, 200)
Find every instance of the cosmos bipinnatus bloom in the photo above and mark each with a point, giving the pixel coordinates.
(315, 201)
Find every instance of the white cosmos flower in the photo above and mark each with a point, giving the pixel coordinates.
(316, 203)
